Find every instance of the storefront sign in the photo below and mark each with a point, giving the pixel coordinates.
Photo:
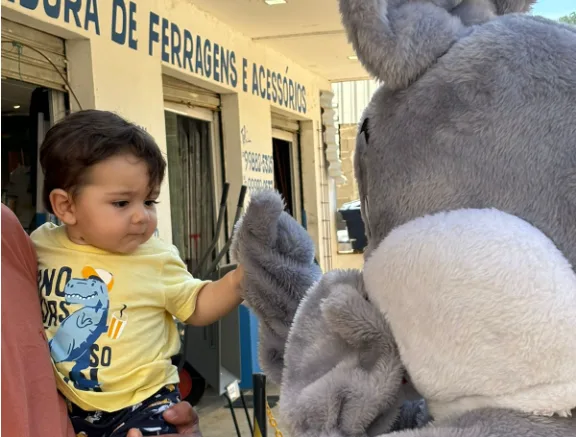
(179, 47)
(68, 10)
(255, 185)
(258, 162)
(258, 171)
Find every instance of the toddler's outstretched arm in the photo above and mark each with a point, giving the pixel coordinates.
(216, 299)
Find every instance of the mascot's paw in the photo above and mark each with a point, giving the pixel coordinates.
(348, 313)
(343, 373)
(278, 258)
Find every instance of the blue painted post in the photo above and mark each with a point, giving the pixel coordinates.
(248, 347)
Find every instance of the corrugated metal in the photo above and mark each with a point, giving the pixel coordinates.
(352, 98)
(33, 56)
(178, 91)
(284, 123)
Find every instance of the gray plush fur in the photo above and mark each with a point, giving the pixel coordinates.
(338, 365)
(477, 110)
(496, 423)
(342, 373)
(398, 40)
(278, 257)
(489, 124)
(342, 368)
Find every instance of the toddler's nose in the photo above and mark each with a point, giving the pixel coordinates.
(140, 216)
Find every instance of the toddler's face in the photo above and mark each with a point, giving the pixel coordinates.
(115, 209)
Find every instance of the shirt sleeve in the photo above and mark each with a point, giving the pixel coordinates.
(180, 287)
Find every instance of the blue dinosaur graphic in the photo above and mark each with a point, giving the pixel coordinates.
(81, 329)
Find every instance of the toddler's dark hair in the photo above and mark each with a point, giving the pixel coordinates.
(88, 137)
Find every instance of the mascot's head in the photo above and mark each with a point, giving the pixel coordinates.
(468, 116)
(466, 166)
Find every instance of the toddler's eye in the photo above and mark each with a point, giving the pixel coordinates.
(120, 204)
(151, 202)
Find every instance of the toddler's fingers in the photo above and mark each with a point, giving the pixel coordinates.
(134, 433)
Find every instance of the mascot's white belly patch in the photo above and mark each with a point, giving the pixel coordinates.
(483, 308)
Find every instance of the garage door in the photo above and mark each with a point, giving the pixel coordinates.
(285, 124)
(33, 56)
(184, 93)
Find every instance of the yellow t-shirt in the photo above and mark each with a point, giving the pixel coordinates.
(108, 317)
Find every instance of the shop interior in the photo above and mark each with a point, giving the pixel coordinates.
(25, 115)
(283, 169)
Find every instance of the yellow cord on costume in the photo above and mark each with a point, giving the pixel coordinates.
(272, 421)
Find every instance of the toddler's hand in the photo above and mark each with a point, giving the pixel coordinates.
(238, 276)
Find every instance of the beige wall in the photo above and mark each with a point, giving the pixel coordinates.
(349, 261)
(108, 75)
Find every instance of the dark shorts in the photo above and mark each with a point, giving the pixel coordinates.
(145, 416)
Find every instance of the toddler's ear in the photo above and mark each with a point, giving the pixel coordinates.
(63, 206)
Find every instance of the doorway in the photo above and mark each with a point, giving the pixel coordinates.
(283, 172)
(28, 111)
(287, 173)
(194, 176)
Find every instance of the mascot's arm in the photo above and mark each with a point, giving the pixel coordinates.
(320, 337)
(343, 374)
(278, 258)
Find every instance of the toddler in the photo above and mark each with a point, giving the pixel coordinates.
(109, 288)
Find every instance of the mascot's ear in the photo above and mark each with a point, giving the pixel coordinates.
(397, 40)
(511, 6)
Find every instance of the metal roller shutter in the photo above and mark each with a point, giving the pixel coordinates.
(33, 56)
(183, 93)
(283, 123)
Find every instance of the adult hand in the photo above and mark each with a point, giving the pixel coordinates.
(183, 416)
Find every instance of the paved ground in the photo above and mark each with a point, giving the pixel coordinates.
(216, 420)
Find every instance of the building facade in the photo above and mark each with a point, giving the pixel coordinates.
(224, 109)
(351, 99)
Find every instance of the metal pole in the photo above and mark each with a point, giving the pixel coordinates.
(228, 243)
(247, 413)
(198, 273)
(231, 406)
(259, 387)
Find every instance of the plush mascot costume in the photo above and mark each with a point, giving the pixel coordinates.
(463, 320)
